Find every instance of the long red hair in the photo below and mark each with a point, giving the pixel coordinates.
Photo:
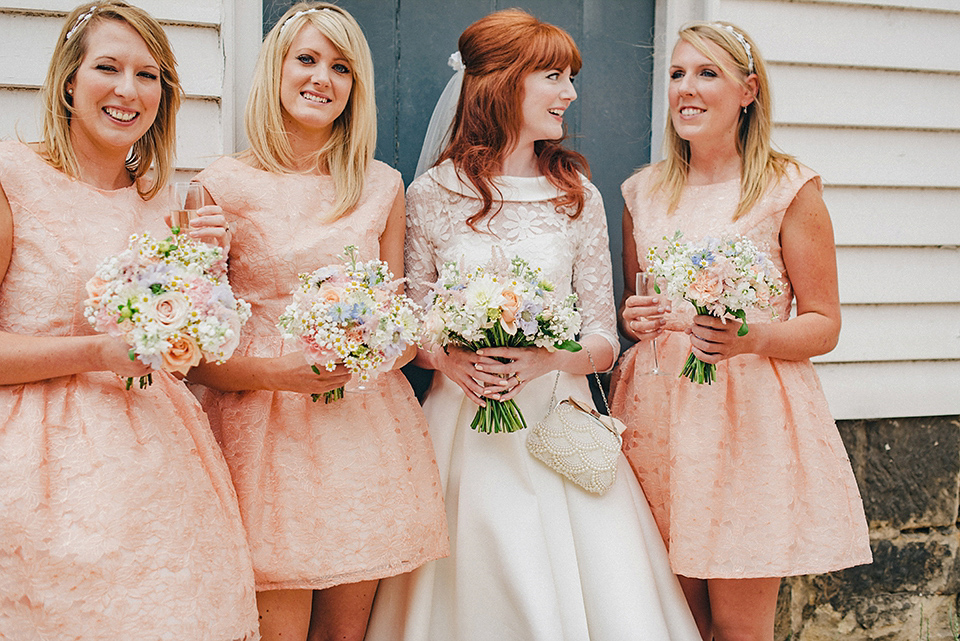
(498, 52)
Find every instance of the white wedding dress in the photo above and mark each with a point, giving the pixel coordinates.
(534, 557)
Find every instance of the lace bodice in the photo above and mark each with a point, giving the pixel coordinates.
(573, 252)
(707, 210)
(269, 250)
(52, 259)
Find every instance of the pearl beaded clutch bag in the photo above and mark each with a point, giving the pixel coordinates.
(579, 442)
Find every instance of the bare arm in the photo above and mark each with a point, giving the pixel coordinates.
(809, 255)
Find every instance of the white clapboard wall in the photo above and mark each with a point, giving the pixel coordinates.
(213, 60)
(866, 93)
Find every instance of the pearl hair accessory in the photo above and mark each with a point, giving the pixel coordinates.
(82, 19)
(743, 42)
(300, 13)
(455, 61)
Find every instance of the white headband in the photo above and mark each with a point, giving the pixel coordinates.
(86, 16)
(743, 42)
(301, 13)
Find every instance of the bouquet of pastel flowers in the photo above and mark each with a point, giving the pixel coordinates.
(502, 304)
(169, 300)
(720, 277)
(353, 314)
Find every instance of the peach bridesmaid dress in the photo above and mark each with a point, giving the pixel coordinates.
(746, 477)
(118, 520)
(330, 493)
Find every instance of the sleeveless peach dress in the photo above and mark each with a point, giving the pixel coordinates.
(118, 520)
(330, 493)
(746, 477)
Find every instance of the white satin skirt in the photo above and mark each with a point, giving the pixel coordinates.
(533, 556)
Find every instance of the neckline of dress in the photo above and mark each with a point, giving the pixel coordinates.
(236, 160)
(512, 188)
(33, 154)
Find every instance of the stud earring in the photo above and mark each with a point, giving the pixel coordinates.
(70, 91)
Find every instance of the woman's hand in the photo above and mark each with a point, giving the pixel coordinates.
(211, 226)
(713, 340)
(643, 316)
(523, 365)
(114, 356)
(292, 373)
(472, 372)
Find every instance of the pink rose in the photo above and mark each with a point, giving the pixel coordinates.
(707, 287)
(170, 309)
(183, 354)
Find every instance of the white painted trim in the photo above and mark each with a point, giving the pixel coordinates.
(241, 36)
(669, 17)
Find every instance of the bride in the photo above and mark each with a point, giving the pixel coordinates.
(534, 557)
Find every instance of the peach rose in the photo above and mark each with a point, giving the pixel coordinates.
(329, 293)
(510, 307)
(707, 287)
(183, 354)
(95, 288)
(170, 309)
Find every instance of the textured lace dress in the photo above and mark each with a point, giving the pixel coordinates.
(117, 517)
(533, 556)
(334, 493)
(747, 477)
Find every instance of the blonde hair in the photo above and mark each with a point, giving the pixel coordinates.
(759, 162)
(351, 145)
(157, 146)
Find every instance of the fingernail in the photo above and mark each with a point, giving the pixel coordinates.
(478, 367)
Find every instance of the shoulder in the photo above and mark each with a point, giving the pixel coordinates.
(639, 182)
(433, 182)
(382, 175)
(22, 164)
(224, 168)
(796, 177)
(17, 153)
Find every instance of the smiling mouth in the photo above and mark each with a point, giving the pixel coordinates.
(317, 99)
(691, 111)
(556, 112)
(120, 114)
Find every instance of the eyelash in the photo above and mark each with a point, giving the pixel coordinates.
(307, 59)
(112, 69)
(709, 73)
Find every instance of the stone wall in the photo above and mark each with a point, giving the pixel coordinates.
(909, 476)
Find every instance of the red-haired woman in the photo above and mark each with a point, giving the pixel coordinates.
(535, 557)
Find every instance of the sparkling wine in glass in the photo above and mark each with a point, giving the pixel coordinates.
(644, 287)
(187, 199)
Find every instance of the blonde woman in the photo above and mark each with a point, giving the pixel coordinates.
(333, 496)
(117, 516)
(748, 478)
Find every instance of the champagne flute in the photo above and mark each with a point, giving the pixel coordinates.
(645, 287)
(187, 199)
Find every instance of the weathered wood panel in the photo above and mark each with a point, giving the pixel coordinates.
(895, 389)
(897, 333)
(856, 97)
(846, 35)
(877, 216)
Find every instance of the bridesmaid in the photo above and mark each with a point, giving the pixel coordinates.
(748, 478)
(333, 497)
(117, 517)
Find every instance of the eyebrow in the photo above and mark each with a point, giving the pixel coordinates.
(316, 54)
(113, 59)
